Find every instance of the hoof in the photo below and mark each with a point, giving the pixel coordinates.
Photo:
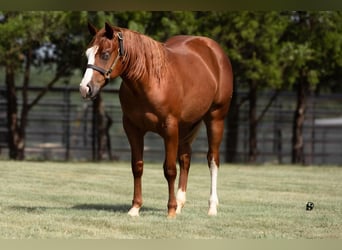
(213, 207)
(212, 211)
(134, 212)
(171, 216)
(180, 206)
(179, 210)
(171, 213)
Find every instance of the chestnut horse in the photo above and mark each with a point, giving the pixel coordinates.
(168, 88)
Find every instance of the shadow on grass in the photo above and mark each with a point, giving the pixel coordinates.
(32, 209)
(119, 208)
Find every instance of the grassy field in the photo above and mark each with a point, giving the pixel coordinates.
(86, 200)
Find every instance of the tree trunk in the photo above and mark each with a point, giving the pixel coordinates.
(253, 122)
(96, 121)
(15, 143)
(101, 125)
(25, 105)
(16, 125)
(299, 117)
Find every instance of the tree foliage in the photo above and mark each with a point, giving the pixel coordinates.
(34, 39)
(312, 49)
(293, 50)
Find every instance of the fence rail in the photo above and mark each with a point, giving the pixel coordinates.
(60, 128)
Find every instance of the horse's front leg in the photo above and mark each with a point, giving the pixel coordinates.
(136, 141)
(170, 170)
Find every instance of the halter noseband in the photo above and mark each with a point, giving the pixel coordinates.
(106, 73)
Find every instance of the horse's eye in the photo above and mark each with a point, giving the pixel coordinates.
(105, 55)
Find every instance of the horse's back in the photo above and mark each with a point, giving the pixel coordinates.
(206, 63)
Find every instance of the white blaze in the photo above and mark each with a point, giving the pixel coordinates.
(213, 200)
(90, 53)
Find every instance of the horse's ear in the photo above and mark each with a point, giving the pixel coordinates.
(109, 31)
(92, 29)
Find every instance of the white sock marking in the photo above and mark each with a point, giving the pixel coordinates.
(181, 198)
(213, 200)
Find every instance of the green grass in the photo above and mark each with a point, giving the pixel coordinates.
(86, 200)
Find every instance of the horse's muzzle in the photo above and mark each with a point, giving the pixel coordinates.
(85, 91)
(89, 91)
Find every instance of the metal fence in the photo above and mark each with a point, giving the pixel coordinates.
(60, 128)
(322, 130)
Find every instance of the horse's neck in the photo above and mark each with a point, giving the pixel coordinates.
(145, 58)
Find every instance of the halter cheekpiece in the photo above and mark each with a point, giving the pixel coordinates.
(121, 52)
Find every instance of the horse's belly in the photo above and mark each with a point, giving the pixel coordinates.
(196, 104)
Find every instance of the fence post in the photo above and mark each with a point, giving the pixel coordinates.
(313, 131)
(277, 146)
(232, 126)
(94, 132)
(67, 121)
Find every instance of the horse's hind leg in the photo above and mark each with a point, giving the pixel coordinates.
(215, 128)
(184, 158)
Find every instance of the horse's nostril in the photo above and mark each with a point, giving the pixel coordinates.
(89, 90)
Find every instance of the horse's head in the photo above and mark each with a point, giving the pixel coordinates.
(104, 60)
